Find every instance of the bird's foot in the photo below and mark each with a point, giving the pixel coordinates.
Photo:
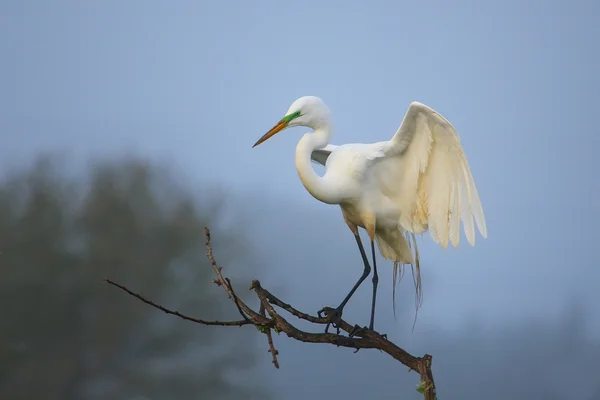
(360, 331)
(357, 331)
(334, 316)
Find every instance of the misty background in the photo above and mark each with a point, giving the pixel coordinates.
(148, 110)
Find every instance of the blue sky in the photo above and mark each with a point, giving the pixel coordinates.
(196, 83)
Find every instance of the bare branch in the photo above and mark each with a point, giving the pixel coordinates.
(221, 281)
(268, 319)
(177, 313)
(236, 300)
(272, 348)
(274, 300)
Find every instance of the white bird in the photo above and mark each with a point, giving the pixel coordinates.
(418, 181)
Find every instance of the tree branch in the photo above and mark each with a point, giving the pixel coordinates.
(272, 348)
(177, 313)
(267, 319)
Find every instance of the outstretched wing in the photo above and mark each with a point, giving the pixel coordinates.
(426, 173)
(320, 156)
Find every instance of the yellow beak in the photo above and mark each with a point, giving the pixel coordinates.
(277, 128)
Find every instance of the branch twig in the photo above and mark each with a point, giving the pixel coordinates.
(177, 313)
(268, 319)
(272, 348)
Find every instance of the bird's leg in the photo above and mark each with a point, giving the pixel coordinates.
(335, 315)
(375, 281)
(370, 226)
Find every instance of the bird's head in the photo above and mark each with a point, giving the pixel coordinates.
(309, 111)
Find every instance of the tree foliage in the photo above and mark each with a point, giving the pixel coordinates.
(65, 334)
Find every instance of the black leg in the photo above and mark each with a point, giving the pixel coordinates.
(358, 331)
(375, 281)
(337, 313)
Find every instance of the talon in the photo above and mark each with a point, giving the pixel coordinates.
(334, 316)
(325, 310)
(356, 331)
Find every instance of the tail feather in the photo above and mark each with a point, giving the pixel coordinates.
(395, 245)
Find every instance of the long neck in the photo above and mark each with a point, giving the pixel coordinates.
(318, 187)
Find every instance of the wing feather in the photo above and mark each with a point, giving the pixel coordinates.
(425, 171)
(320, 156)
(455, 215)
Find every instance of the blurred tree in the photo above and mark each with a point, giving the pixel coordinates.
(65, 334)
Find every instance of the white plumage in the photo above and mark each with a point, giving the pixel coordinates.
(418, 181)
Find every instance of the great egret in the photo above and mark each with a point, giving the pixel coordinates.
(419, 180)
